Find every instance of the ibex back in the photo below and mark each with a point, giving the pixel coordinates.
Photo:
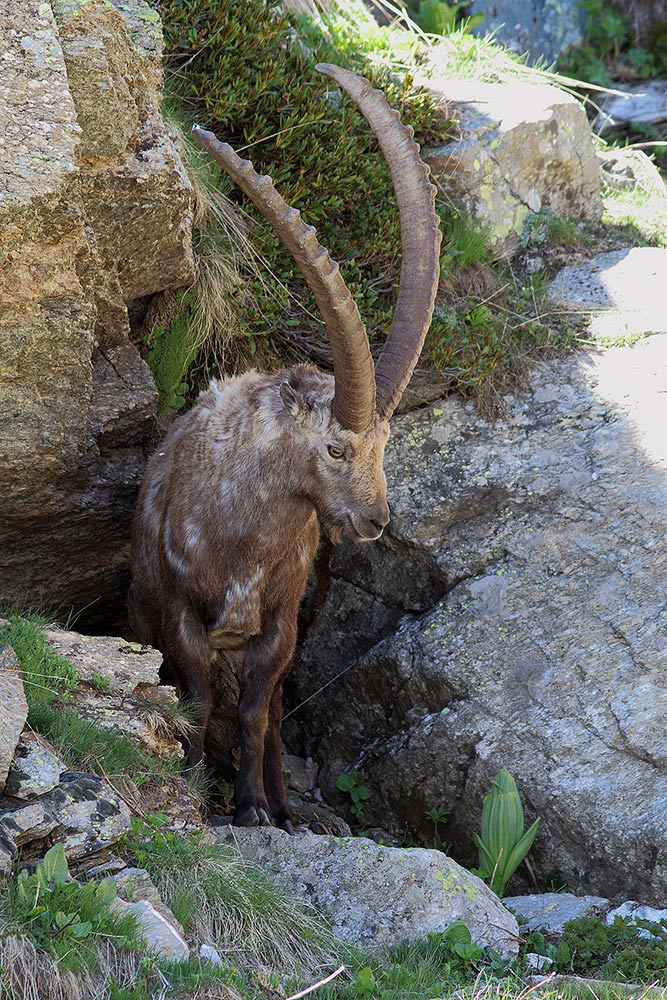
(226, 526)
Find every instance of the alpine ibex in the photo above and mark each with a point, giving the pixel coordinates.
(226, 526)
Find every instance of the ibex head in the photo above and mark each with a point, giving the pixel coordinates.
(345, 420)
(339, 470)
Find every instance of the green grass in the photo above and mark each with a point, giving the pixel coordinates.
(222, 900)
(49, 680)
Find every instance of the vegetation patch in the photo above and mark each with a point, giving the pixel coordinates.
(82, 744)
(221, 899)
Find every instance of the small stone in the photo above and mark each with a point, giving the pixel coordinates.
(161, 937)
(36, 768)
(208, 953)
(637, 911)
(550, 911)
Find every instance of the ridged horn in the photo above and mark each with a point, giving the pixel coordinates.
(420, 238)
(354, 400)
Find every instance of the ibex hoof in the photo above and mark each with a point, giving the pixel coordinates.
(252, 816)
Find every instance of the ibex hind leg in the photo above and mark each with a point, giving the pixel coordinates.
(188, 662)
(266, 663)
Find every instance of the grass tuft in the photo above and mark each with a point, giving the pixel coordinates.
(223, 900)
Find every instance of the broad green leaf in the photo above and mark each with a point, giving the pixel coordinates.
(54, 865)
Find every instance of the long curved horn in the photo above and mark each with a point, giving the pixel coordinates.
(420, 238)
(354, 399)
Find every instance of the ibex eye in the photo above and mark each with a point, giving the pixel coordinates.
(334, 451)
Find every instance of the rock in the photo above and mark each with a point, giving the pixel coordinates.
(378, 896)
(547, 653)
(208, 953)
(550, 911)
(83, 812)
(35, 770)
(522, 147)
(645, 102)
(543, 28)
(115, 79)
(121, 688)
(300, 775)
(135, 885)
(159, 934)
(636, 912)
(623, 290)
(96, 211)
(108, 662)
(13, 709)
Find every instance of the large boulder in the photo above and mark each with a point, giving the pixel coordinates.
(544, 529)
(95, 213)
(377, 896)
(521, 147)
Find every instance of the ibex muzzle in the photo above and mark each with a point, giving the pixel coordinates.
(226, 526)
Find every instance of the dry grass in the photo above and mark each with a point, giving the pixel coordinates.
(27, 973)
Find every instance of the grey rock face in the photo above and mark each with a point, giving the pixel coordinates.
(83, 812)
(522, 147)
(378, 896)
(544, 28)
(13, 709)
(95, 211)
(547, 655)
(160, 935)
(550, 911)
(121, 688)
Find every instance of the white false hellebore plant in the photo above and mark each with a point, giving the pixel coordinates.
(504, 842)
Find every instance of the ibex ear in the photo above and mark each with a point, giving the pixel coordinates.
(292, 400)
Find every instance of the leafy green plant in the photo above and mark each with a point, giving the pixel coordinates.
(357, 792)
(68, 920)
(503, 843)
(437, 816)
(627, 949)
(606, 48)
(459, 938)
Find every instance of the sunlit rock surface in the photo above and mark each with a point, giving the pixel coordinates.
(521, 147)
(95, 212)
(544, 529)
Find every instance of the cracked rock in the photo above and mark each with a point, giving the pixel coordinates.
(82, 811)
(547, 653)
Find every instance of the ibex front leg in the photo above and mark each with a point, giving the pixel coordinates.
(266, 662)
